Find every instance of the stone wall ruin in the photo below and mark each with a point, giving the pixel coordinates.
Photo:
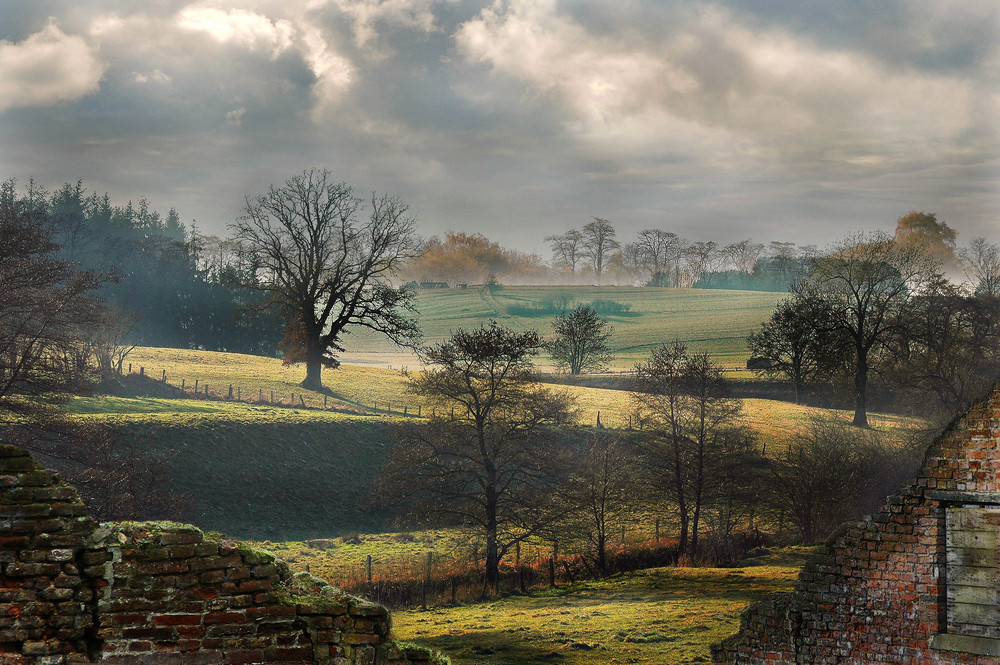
(916, 583)
(73, 591)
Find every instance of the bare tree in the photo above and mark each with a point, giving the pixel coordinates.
(684, 403)
(744, 254)
(981, 261)
(567, 249)
(485, 460)
(598, 243)
(867, 281)
(581, 340)
(46, 308)
(327, 267)
(659, 251)
(602, 489)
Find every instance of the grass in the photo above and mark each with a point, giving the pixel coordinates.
(360, 389)
(662, 615)
(715, 321)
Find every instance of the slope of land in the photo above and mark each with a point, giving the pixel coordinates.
(288, 473)
(715, 321)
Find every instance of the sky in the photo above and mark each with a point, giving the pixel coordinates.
(796, 120)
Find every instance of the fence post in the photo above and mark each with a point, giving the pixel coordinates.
(302, 401)
(324, 402)
(418, 410)
(598, 420)
(142, 371)
(183, 382)
(230, 391)
(164, 376)
(239, 394)
(130, 368)
(291, 400)
(427, 580)
(196, 386)
(368, 567)
(206, 390)
(405, 409)
(272, 398)
(260, 395)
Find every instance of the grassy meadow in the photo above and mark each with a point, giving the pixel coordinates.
(715, 321)
(661, 615)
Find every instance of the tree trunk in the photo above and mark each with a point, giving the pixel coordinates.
(861, 391)
(492, 580)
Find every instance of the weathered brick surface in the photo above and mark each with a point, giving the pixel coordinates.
(875, 592)
(72, 591)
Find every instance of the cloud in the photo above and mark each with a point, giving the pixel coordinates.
(235, 117)
(239, 26)
(49, 67)
(366, 14)
(714, 76)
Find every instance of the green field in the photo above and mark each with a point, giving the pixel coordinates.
(715, 321)
(662, 615)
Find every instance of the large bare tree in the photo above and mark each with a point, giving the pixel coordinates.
(868, 281)
(327, 262)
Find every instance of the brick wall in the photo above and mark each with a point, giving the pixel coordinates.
(72, 591)
(877, 591)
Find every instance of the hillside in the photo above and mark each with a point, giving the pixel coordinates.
(282, 473)
(716, 321)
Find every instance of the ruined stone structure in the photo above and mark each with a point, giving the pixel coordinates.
(916, 583)
(73, 591)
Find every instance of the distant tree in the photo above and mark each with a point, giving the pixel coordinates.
(923, 231)
(485, 460)
(981, 262)
(684, 404)
(799, 342)
(598, 243)
(867, 282)
(659, 253)
(567, 249)
(700, 257)
(581, 340)
(743, 254)
(326, 267)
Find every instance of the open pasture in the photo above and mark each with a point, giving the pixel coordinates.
(715, 321)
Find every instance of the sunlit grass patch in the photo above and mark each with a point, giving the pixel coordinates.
(662, 615)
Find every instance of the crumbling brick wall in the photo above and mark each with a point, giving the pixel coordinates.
(878, 591)
(72, 591)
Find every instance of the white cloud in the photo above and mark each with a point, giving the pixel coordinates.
(235, 117)
(155, 76)
(709, 74)
(47, 68)
(239, 26)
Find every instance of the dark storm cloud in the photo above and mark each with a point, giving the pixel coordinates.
(514, 118)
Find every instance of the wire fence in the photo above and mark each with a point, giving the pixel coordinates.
(198, 388)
